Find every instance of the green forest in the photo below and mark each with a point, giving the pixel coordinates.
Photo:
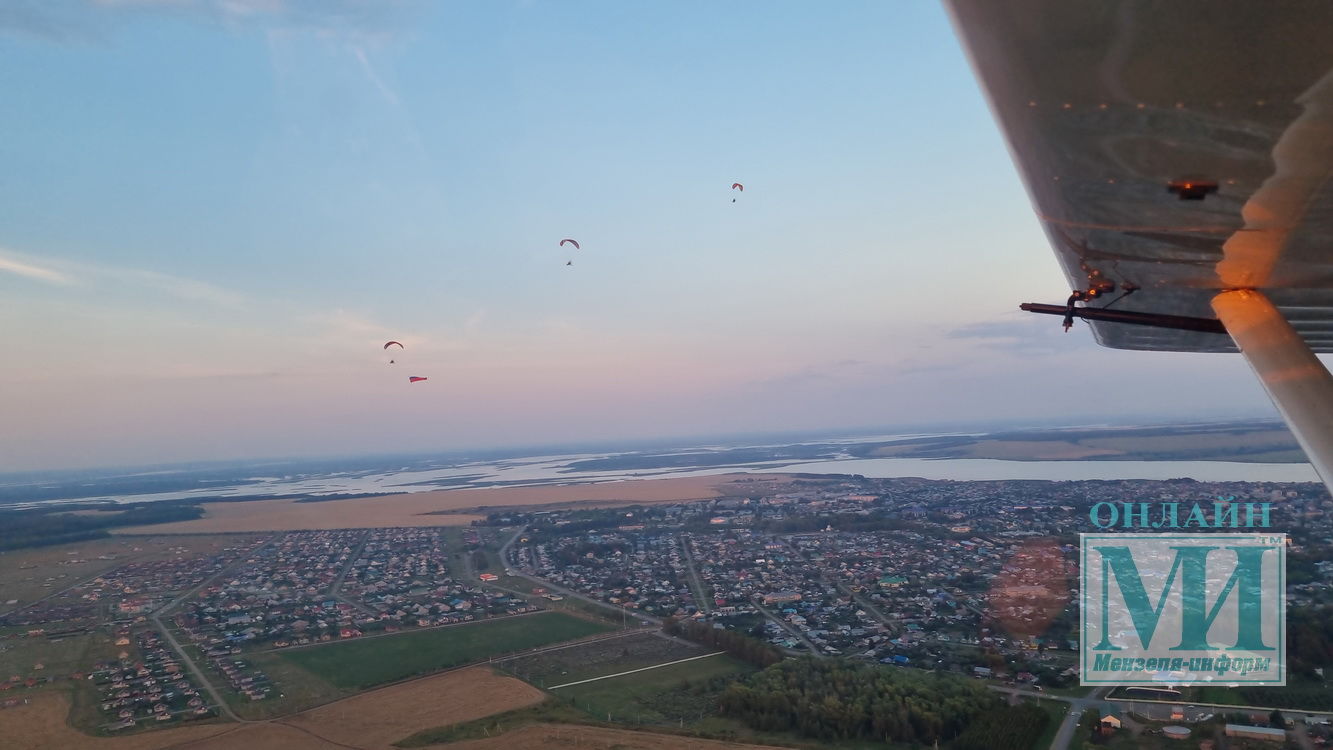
(837, 700)
(56, 525)
(736, 643)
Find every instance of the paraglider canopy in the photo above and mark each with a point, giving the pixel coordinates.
(393, 343)
(572, 242)
(738, 186)
(415, 379)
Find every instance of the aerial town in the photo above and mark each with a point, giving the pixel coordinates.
(968, 576)
(975, 578)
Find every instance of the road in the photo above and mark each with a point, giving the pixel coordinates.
(504, 548)
(797, 634)
(893, 625)
(557, 588)
(356, 554)
(1072, 716)
(705, 603)
(198, 673)
(335, 589)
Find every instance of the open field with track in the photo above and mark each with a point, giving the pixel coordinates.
(539, 736)
(29, 574)
(374, 661)
(580, 662)
(372, 720)
(449, 507)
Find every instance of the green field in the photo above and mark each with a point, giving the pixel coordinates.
(669, 695)
(604, 657)
(294, 689)
(375, 661)
(1300, 693)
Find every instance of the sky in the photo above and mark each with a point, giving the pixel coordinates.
(213, 213)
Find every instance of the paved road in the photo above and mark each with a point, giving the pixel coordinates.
(705, 603)
(1072, 715)
(504, 548)
(347, 568)
(791, 630)
(555, 588)
(1077, 707)
(180, 650)
(894, 626)
(335, 589)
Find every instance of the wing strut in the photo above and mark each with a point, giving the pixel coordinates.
(1298, 383)
(1177, 322)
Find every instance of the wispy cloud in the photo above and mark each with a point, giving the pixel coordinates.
(812, 374)
(32, 271)
(70, 20)
(67, 272)
(389, 95)
(1035, 334)
(189, 290)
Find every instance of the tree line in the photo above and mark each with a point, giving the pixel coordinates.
(840, 700)
(46, 526)
(1006, 728)
(743, 647)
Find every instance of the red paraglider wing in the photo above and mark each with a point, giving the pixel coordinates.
(572, 242)
(393, 343)
(415, 379)
(738, 186)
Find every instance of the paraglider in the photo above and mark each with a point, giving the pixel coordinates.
(737, 186)
(575, 243)
(415, 379)
(392, 343)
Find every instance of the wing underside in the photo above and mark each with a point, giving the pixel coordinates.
(1112, 110)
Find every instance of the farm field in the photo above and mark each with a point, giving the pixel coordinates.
(1261, 443)
(446, 507)
(297, 688)
(596, 659)
(539, 736)
(57, 658)
(42, 724)
(669, 696)
(371, 720)
(381, 717)
(30, 574)
(375, 661)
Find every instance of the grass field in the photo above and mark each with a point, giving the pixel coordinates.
(374, 661)
(20, 656)
(30, 574)
(672, 695)
(596, 659)
(295, 688)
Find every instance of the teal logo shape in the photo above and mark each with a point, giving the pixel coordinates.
(1183, 609)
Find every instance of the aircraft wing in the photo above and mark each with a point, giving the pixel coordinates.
(1113, 109)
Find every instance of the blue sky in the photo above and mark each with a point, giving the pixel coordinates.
(213, 212)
